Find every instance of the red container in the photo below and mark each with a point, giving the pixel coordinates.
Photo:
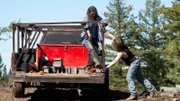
(71, 55)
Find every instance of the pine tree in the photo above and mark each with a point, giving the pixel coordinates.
(3, 30)
(7, 29)
(119, 21)
(1, 65)
(146, 38)
(3, 72)
(152, 38)
(172, 50)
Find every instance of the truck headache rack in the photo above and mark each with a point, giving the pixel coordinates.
(25, 35)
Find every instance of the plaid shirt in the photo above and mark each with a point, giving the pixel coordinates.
(94, 29)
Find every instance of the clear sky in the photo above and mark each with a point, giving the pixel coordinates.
(51, 11)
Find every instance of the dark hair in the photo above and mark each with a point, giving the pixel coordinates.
(119, 44)
(93, 8)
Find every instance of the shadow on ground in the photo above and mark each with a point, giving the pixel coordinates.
(72, 95)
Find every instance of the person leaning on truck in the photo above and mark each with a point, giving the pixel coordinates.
(134, 67)
(91, 37)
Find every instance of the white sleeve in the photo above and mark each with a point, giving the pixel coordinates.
(85, 19)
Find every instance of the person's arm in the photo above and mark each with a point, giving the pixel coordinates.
(119, 56)
(110, 35)
(86, 29)
(88, 33)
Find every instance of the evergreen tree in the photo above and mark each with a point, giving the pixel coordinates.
(1, 65)
(146, 38)
(119, 21)
(3, 72)
(152, 38)
(172, 50)
(4, 30)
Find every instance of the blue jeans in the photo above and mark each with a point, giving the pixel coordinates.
(135, 71)
(90, 58)
(93, 53)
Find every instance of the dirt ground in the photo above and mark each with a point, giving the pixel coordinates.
(33, 94)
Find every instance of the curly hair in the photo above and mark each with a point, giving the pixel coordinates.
(96, 17)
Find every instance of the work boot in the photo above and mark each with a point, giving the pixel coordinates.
(132, 97)
(144, 93)
(152, 94)
(97, 63)
(95, 57)
(98, 66)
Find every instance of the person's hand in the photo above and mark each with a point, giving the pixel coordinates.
(104, 23)
(104, 69)
(103, 30)
(103, 27)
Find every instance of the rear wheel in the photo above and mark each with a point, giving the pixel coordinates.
(18, 90)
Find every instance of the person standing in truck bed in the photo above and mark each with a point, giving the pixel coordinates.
(91, 37)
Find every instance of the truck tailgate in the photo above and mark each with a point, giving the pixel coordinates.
(59, 78)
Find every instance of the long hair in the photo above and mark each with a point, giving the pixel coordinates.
(119, 44)
(96, 17)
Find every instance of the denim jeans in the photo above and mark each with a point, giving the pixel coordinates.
(89, 46)
(93, 52)
(135, 71)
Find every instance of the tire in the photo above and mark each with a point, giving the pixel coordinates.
(18, 90)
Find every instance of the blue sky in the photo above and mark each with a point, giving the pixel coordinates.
(51, 11)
